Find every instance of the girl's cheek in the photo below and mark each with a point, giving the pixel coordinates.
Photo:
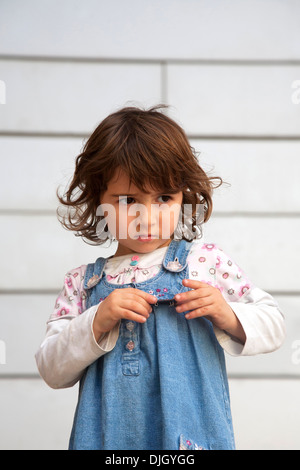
(112, 224)
(173, 218)
(167, 218)
(124, 226)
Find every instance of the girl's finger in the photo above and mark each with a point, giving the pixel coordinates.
(151, 299)
(130, 315)
(194, 284)
(192, 305)
(143, 300)
(192, 294)
(137, 305)
(199, 312)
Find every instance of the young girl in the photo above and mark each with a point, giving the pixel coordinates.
(145, 329)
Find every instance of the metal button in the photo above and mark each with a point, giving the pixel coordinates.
(130, 345)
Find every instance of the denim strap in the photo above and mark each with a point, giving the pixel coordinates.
(94, 273)
(175, 259)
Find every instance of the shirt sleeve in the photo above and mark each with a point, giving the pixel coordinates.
(258, 312)
(69, 345)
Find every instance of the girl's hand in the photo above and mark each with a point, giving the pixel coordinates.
(132, 304)
(207, 301)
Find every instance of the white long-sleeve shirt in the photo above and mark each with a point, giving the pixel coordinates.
(70, 346)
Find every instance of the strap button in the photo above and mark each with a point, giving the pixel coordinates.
(130, 326)
(130, 345)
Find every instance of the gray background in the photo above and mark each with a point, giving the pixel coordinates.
(226, 68)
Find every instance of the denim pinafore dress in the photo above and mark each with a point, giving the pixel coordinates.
(164, 384)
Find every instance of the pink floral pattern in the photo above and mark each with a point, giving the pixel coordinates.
(71, 300)
(209, 246)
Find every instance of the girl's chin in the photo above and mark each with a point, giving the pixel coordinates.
(141, 245)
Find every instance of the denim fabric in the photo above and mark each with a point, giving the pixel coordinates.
(164, 379)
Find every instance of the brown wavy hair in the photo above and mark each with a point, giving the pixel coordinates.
(151, 148)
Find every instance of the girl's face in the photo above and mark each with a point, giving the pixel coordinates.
(141, 222)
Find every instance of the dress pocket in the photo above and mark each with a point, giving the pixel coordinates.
(131, 367)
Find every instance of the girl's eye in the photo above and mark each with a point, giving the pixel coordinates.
(126, 200)
(165, 198)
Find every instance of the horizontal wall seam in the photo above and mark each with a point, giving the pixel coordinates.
(151, 60)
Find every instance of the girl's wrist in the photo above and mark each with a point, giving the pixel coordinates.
(96, 327)
(236, 329)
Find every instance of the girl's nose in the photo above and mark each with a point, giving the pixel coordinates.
(147, 218)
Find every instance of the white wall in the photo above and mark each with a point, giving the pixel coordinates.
(226, 69)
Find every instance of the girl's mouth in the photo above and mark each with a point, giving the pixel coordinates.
(146, 238)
